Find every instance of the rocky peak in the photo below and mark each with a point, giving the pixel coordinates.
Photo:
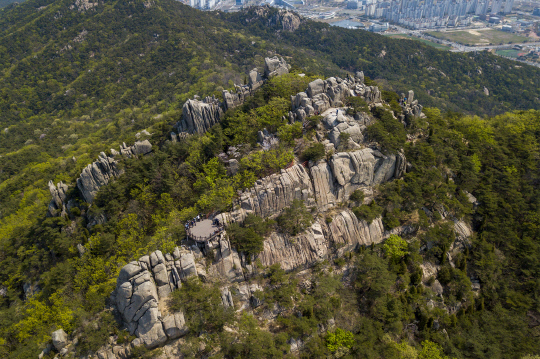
(321, 95)
(198, 116)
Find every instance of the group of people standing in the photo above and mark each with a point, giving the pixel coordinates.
(191, 223)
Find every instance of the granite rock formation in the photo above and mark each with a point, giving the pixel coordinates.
(100, 172)
(337, 122)
(322, 95)
(272, 194)
(410, 106)
(142, 284)
(198, 116)
(324, 184)
(58, 194)
(275, 66)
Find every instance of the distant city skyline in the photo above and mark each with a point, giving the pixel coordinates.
(431, 13)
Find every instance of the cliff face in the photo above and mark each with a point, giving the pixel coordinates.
(324, 184)
(143, 285)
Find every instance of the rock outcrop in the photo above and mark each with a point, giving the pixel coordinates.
(275, 66)
(59, 339)
(324, 184)
(142, 284)
(320, 241)
(198, 116)
(58, 194)
(272, 194)
(100, 172)
(345, 172)
(321, 95)
(410, 106)
(338, 122)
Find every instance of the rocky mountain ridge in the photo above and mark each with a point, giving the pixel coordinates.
(143, 286)
(199, 115)
(322, 185)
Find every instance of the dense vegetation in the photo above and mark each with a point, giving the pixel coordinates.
(75, 83)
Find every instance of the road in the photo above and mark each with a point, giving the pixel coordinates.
(456, 47)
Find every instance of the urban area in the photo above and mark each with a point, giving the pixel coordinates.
(509, 28)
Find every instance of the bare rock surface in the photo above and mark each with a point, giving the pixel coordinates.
(59, 339)
(321, 95)
(100, 172)
(142, 284)
(58, 194)
(272, 194)
(199, 116)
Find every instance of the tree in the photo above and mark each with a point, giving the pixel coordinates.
(314, 152)
(339, 338)
(249, 236)
(395, 248)
(295, 219)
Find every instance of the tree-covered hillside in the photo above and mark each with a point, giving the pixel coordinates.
(80, 77)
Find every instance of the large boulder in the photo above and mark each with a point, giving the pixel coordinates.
(59, 339)
(150, 329)
(275, 66)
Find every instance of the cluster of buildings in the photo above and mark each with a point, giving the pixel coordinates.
(203, 4)
(431, 13)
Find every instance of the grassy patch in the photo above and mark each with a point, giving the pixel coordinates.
(479, 37)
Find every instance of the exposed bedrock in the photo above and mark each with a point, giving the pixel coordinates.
(319, 241)
(321, 95)
(272, 194)
(198, 116)
(324, 185)
(140, 287)
(345, 172)
(100, 172)
(58, 194)
(336, 122)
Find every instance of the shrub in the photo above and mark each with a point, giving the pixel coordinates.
(288, 133)
(395, 247)
(249, 236)
(387, 131)
(202, 307)
(339, 339)
(96, 334)
(75, 211)
(313, 121)
(356, 105)
(314, 152)
(295, 219)
(357, 196)
(368, 212)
